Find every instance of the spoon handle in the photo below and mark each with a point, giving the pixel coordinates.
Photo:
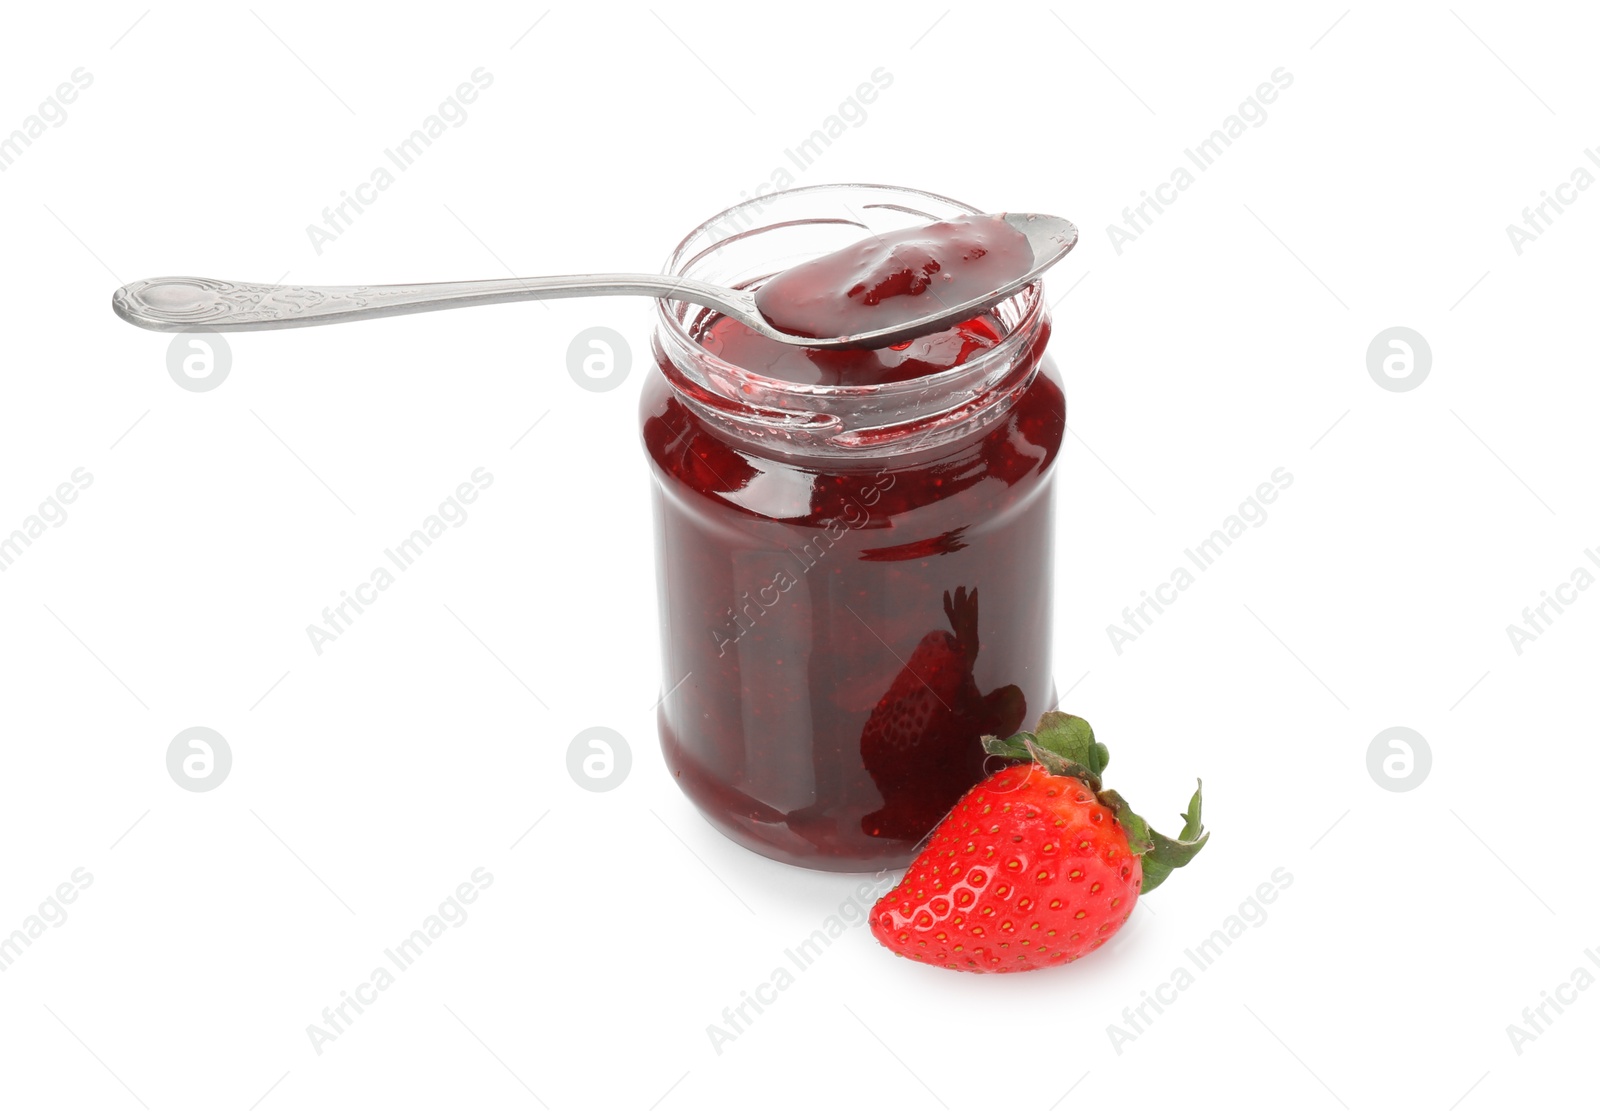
(183, 303)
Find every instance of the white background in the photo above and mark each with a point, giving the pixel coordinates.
(1227, 340)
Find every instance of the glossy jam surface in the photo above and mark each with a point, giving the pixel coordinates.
(895, 277)
(736, 343)
(836, 638)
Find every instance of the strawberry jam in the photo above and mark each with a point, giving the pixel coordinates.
(854, 547)
(895, 277)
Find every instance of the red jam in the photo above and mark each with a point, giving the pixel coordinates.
(896, 277)
(838, 633)
(737, 344)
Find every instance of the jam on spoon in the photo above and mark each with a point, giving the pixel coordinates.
(876, 282)
(896, 277)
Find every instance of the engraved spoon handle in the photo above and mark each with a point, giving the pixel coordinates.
(186, 303)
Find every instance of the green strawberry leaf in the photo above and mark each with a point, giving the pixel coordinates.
(1073, 739)
(1014, 747)
(1140, 839)
(1025, 748)
(1062, 768)
(1166, 854)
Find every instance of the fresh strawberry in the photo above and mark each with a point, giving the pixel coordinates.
(1036, 865)
(922, 744)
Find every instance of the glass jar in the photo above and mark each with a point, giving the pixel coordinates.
(823, 552)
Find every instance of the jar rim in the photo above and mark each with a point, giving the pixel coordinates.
(837, 418)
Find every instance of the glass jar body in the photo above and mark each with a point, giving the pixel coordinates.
(854, 578)
(836, 636)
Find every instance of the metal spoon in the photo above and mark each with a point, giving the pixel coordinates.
(187, 303)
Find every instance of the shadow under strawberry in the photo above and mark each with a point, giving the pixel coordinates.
(922, 744)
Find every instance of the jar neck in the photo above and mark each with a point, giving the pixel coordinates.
(832, 422)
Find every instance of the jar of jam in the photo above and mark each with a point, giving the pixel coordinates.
(853, 546)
